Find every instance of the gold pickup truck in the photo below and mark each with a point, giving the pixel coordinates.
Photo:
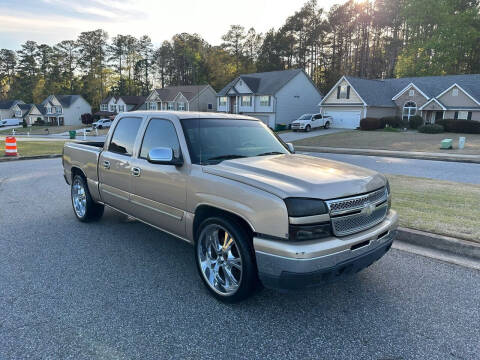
(255, 212)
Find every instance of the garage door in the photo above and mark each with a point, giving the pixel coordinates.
(345, 119)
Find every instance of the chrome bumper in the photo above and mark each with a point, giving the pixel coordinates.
(295, 265)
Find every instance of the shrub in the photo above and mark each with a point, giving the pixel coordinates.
(87, 118)
(415, 122)
(39, 121)
(24, 123)
(460, 125)
(394, 121)
(431, 129)
(371, 124)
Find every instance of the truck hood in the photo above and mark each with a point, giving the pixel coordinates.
(294, 175)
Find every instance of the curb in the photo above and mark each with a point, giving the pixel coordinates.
(472, 159)
(17, 158)
(440, 243)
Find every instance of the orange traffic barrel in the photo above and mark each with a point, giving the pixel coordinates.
(10, 146)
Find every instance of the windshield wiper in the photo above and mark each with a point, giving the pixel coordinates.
(271, 153)
(226, 157)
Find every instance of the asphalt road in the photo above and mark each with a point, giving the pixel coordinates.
(121, 290)
(441, 170)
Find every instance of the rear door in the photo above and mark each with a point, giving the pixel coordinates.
(317, 121)
(114, 167)
(159, 193)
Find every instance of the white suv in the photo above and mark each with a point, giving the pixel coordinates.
(102, 123)
(308, 122)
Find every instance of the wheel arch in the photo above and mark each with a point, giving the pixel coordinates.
(205, 211)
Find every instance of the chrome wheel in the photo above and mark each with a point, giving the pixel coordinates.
(219, 259)
(79, 198)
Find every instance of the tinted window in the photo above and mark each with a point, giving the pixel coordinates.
(213, 140)
(160, 133)
(305, 117)
(318, 116)
(124, 136)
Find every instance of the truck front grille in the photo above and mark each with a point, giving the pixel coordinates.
(358, 213)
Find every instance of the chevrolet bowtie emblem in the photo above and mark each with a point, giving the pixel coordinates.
(368, 209)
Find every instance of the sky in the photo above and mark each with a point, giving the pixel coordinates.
(51, 21)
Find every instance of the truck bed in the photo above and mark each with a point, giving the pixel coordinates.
(82, 155)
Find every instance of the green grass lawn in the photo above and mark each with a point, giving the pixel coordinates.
(32, 148)
(440, 207)
(393, 140)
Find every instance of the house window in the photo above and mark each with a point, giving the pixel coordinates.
(455, 92)
(121, 108)
(104, 107)
(246, 101)
(210, 106)
(343, 92)
(411, 93)
(264, 100)
(409, 110)
(112, 108)
(171, 106)
(152, 105)
(462, 115)
(181, 106)
(18, 113)
(222, 101)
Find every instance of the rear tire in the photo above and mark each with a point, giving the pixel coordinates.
(327, 125)
(308, 128)
(225, 259)
(84, 208)
(100, 126)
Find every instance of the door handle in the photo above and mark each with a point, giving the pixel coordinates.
(106, 164)
(136, 171)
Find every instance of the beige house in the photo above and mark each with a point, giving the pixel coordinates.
(8, 109)
(432, 97)
(183, 98)
(28, 112)
(113, 105)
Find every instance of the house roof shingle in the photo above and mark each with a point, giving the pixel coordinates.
(379, 92)
(266, 83)
(7, 104)
(189, 91)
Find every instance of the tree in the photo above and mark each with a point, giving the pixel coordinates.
(233, 41)
(8, 63)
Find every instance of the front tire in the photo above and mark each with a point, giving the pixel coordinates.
(308, 128)
(225, 259)
(84, 208)
(327, 125)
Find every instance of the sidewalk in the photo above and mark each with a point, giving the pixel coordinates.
(398, 154)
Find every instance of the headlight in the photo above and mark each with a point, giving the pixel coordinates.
(302, 207)
(309, 232)
(299, 207)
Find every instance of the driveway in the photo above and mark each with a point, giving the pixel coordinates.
(441, 170)
(122, 290)
(293, 136)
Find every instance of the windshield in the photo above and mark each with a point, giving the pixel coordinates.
(211, 141)
(305, 117)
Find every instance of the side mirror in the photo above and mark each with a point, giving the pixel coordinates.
(291, 148)
(163, 156)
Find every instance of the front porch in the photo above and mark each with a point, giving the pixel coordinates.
(54, 120)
